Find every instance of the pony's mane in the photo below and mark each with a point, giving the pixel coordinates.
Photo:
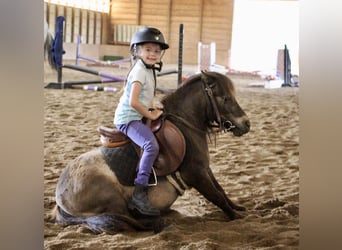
(190, 80)
(186, 83)
(198, 77)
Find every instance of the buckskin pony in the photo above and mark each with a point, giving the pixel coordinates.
(93, 191)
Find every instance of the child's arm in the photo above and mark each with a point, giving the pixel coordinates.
(136, 104)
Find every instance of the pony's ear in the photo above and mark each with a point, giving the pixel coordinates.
(207, 78)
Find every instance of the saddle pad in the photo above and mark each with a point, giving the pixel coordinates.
(123, 161)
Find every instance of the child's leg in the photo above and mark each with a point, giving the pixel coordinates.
(142, 135)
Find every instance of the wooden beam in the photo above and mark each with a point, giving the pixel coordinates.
(201, 19)
(169, 21)
(139, 12)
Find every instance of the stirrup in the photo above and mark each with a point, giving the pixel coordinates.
(155, 179)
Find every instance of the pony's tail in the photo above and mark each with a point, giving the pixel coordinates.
(51, 217)
(48, 49)
(108, 223)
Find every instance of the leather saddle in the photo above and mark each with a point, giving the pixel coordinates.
(171, 143)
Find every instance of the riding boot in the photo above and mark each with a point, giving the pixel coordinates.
(141, 203)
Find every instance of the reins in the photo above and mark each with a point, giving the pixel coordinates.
(181, 119)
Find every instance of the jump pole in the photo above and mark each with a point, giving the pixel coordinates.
(95, 72)
(94, 61)
(100, 88)
(78, 56)
(57, 55)
(108, 78)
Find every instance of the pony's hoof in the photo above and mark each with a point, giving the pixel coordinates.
(155, 224)
(238, 216)
(160, 225)
(240, 208)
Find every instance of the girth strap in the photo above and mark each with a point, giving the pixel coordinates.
(177, 182)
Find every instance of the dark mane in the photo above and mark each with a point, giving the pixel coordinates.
(223, 82)
(181, 88)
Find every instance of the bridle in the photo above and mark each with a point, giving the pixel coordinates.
(226, 125)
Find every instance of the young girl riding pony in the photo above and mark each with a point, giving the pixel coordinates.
(147, 48)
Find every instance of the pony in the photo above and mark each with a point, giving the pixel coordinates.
(48, 43)
(89, 192)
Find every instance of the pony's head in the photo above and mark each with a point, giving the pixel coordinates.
(223, 110)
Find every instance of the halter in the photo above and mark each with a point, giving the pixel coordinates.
(226, 125)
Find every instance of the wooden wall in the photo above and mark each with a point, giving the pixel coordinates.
(204, 21)
(78, 22)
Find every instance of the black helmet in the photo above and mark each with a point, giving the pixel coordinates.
(148, 35)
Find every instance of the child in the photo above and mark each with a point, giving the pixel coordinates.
(147, 48)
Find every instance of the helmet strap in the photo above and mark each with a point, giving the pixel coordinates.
(157, 66)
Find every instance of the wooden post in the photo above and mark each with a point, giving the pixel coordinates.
(180, 53)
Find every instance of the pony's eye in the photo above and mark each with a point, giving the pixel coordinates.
(227, 99)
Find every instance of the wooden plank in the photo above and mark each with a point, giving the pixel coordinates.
(154, 8)
(181, 19)
(91, 27)
(76, 24)
(60, 10)
(68, 25)
(52, 18)
(154, 19)
(217, 27)
(98, 27)
(84, 30)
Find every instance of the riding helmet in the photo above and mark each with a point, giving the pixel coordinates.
(148, 35)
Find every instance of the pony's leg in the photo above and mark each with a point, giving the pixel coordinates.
(203, 182)
(218, 186)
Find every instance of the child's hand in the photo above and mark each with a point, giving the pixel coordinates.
(154, 114)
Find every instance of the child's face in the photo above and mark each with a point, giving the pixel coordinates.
(150, 53)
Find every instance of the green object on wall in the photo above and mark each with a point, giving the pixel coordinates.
(112, 58)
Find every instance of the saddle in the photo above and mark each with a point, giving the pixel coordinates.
(170, 139)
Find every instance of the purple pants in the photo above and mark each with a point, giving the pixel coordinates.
(142, 135)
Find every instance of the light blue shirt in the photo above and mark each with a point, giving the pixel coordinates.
(124, 113)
